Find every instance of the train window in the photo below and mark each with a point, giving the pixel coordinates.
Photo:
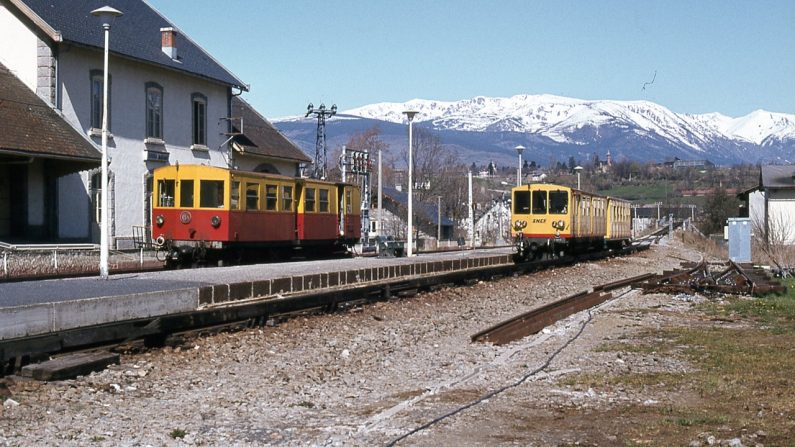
(165, 193)
(558, 202)
(309, 203)
(235, 199)
(186, 193)
(323, 199)
(211, 193)
(252, 196)
(287, 198)
(270, 197)
(521, 202)
(539, 202)
(348, 201)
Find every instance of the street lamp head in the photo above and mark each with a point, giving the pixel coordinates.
(310, 107)
(333, 109)
(106, 15)
(410, 114)
(578, 168)
(322, 107)
(520, 149)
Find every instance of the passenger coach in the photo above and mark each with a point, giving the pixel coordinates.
(551, 219)
(205, 213)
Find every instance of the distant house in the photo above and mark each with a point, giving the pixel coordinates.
(771, 204)
(38, 147)
(677, 163)
(426, 217)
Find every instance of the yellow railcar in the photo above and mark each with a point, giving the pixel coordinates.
(550, 219)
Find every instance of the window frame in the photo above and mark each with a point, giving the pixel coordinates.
(97, 75)
(204, 193)
(308, 200)
(287, 198)
(198, 123)
(153, 126)
(323, 205)
(255, 187)
(271, 201)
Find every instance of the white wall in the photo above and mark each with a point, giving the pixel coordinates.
(781, 215)
(18, 48)
(127, 149)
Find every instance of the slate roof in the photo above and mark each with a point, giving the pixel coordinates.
(136, 34)
(778, 177)
(260, 137)
(426, 210)
(31, 128)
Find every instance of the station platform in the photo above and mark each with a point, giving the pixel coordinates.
(31, 308)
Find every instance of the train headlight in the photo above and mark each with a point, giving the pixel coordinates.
(215, 221)
(554, 224)
(561, 224)
(160, 220)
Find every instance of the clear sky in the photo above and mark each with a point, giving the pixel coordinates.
(725, 56)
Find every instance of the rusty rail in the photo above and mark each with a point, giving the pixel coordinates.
(533, 321)
(742, 279)
(734, 279)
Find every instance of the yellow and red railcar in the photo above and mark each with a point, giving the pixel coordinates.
(202, 213)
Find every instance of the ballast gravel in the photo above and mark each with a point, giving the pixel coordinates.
(370, 375)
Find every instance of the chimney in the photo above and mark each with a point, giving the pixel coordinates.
(169, 42)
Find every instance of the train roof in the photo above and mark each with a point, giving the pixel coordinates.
(551, 186)
(240, 173)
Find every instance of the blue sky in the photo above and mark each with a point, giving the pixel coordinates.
(722, 56)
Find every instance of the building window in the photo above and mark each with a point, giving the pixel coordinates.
(96, 99)
(154, 111)
(199, 114)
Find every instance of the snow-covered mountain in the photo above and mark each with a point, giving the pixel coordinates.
(567, 126)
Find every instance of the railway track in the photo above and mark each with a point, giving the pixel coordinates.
(729, 278)
(20, 352)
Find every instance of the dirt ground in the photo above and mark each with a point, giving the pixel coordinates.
(402, 372)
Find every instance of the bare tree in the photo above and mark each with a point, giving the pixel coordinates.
(774, 238)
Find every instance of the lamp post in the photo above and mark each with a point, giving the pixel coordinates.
(438, 220)
(409, 249)
(578, 169)
(106, 15)
(519, 150)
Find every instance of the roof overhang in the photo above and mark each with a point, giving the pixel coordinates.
(250, 151)
(52, 33)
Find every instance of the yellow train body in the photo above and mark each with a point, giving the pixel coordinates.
(548, 218)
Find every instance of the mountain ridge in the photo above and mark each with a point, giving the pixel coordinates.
(636, 129)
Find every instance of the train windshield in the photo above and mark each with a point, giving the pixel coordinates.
(186, 194)
(165, 193)
(211, 194)
(521, 202)
(539, 202)
(558, 202)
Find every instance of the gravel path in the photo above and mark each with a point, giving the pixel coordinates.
(364, 377)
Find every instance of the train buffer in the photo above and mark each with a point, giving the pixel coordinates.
(390, 248)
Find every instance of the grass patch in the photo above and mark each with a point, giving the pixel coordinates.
(742, 378)
(774, 311)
